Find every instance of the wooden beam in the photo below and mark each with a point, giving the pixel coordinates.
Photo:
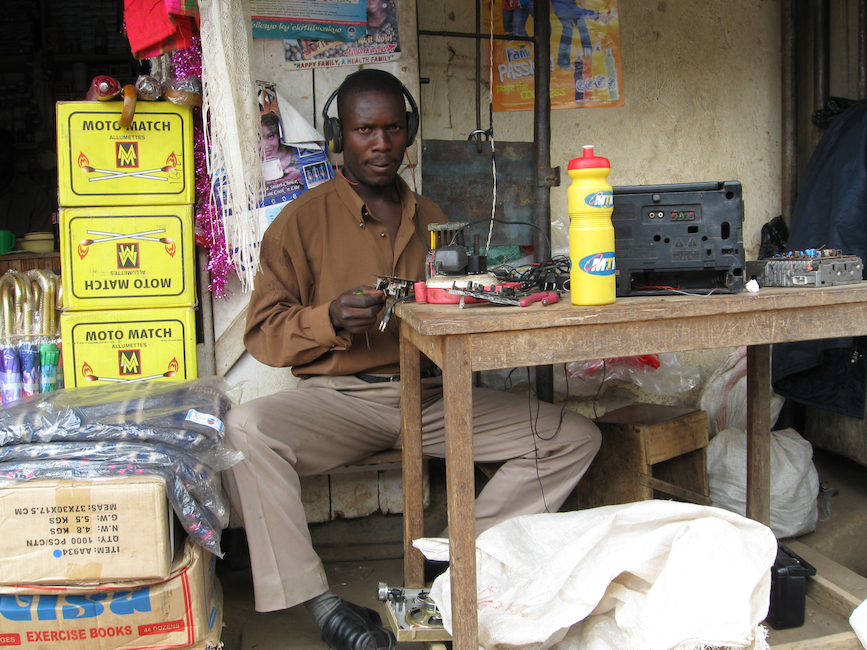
(841, 641)
(230, 345)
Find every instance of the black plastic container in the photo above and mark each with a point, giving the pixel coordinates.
(788, 589)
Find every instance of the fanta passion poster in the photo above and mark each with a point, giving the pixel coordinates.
(585, 61)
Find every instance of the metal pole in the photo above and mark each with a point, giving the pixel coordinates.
(789, 116)
(821, 72)
(542, 161)
(862, 49)
(478, 79)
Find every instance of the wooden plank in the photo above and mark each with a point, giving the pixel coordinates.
(676, 437)
(612, 477)
(759, 433)
(507, 337)
(832, 597)
(851, 582)
(688, 471)
(840, 641)
(413, 488)
(29, 261)
(673, 490)
(437, 320)
(460, 483)
(230, 345)
(646, 414)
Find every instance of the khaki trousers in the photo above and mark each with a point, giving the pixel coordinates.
(327, 422)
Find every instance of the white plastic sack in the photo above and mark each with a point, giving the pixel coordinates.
(724, 397)
(652, 575)
(794, 479)
(858, 621)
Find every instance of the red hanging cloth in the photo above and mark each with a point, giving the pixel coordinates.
(155, 27)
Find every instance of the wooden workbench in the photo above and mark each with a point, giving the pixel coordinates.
(488, 337)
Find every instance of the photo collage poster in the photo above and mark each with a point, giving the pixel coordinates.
(289, 171)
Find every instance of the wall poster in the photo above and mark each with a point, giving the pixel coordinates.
(380, 44)
(342, 20)
(586, 69)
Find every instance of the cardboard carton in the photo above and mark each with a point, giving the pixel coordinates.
(128, 257)
(101, 163)
(128, 345)
(182, 612)
(85, 531)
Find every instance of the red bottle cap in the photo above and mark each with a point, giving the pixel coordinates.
(588, 160)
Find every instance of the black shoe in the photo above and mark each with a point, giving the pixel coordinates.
(352, 627)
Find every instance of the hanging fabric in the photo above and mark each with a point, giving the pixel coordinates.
(155, 27)
(230, 111)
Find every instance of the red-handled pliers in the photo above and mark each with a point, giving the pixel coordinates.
(545, 297)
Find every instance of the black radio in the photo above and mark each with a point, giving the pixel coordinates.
(685, 237)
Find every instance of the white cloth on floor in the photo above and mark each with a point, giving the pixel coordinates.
(652, 575)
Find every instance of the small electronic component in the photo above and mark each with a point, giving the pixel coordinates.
(412, 614)
(807, 269)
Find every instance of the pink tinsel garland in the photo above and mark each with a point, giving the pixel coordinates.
(210, 234)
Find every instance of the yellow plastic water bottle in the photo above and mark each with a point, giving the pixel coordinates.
(591, 234)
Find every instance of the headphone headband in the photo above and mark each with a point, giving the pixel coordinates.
(334, 130)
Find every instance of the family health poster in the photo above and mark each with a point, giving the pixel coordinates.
(586, 69)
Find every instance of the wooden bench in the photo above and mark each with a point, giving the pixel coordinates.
(344, 493)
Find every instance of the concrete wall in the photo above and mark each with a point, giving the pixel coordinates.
(308, 91)
(702, 98)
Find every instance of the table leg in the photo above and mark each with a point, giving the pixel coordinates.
(759, 433)
(460, 486)
(413, 489)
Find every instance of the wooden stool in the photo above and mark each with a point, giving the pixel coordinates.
(648, 448)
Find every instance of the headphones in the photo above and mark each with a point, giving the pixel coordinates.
(334, 130)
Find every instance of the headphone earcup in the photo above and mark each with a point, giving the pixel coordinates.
(411, 127)
(333, 132)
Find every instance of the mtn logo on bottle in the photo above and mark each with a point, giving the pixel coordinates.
(598, 264)
(604, 199)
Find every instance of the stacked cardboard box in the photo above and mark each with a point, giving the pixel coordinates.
(93, 564)
(126, 242)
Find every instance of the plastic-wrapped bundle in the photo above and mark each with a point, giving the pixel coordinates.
(195, 409)
(171, 430)
(106, 457)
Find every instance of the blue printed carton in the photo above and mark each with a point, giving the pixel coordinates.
(184, 611)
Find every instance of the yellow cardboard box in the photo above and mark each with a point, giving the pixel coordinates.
(184, 611)
(127, 257)
(85, 531)
(128, 345)
(100, 163)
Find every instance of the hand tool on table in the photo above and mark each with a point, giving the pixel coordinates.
(506, 296)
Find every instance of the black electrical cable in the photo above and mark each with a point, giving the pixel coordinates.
(534, 426)
(599, 390)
